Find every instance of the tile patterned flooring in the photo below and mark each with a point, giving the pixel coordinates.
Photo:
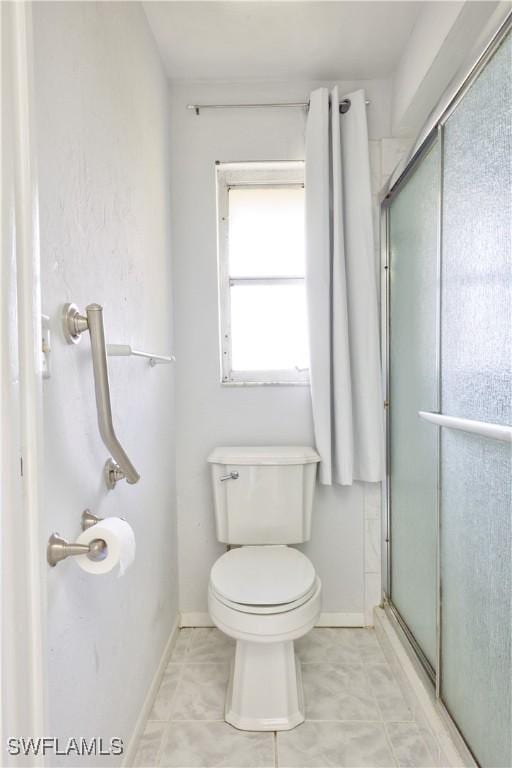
(357, 713)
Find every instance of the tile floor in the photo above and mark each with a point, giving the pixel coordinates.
(357, 713)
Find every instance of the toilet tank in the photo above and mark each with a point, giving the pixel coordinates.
(263, 495)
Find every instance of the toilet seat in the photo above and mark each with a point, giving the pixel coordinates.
(263, 579)
(266, 609)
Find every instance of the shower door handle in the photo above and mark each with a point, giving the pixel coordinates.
(482, 428)
(74, 325)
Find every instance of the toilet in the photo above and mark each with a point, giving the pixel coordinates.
(263, 592)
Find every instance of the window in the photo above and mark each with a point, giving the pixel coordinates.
(263, 323)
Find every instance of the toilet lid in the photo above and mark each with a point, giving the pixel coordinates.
(263, 575)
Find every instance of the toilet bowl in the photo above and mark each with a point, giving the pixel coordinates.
(264, 593)
(265, 597)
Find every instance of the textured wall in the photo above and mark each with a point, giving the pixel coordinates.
(210, 414)
(102, 123)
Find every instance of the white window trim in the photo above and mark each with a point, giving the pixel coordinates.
(249, 175)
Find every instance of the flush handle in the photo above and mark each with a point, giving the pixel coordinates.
(231, 476)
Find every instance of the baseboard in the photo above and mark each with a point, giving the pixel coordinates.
(194, 619)
(131, 750)
(339, 619)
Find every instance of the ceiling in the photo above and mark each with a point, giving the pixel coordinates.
(281, 40)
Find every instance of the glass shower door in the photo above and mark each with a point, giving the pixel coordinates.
(449, 427)
(476, 384)
(413, 386)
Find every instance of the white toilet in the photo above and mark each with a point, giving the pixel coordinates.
(264, 593)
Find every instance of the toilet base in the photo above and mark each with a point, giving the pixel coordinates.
(265, 687)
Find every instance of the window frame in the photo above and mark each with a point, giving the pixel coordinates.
(250, 176)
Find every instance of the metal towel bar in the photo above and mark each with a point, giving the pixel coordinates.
(125, 350)
(483, 428)
(74, 325)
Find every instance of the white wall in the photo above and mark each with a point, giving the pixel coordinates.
(443, 35)
(210, 414)
(102, 122)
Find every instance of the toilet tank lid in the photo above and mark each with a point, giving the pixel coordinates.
(264, 454)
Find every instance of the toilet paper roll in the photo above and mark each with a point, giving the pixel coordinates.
(120, 540)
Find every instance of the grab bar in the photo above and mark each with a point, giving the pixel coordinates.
(74, 325)
(483, 428)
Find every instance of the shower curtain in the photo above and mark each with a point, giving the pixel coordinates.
(345, 371)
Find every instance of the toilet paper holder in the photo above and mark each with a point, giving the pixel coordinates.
(59, 548)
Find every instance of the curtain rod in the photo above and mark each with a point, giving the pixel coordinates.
(344, 105)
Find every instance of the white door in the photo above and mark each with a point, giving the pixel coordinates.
(22, 543)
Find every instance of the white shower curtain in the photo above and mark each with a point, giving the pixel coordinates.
(346, 386)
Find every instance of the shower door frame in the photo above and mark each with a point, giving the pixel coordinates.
(433, 133)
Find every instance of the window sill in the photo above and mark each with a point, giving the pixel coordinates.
(265, 383)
